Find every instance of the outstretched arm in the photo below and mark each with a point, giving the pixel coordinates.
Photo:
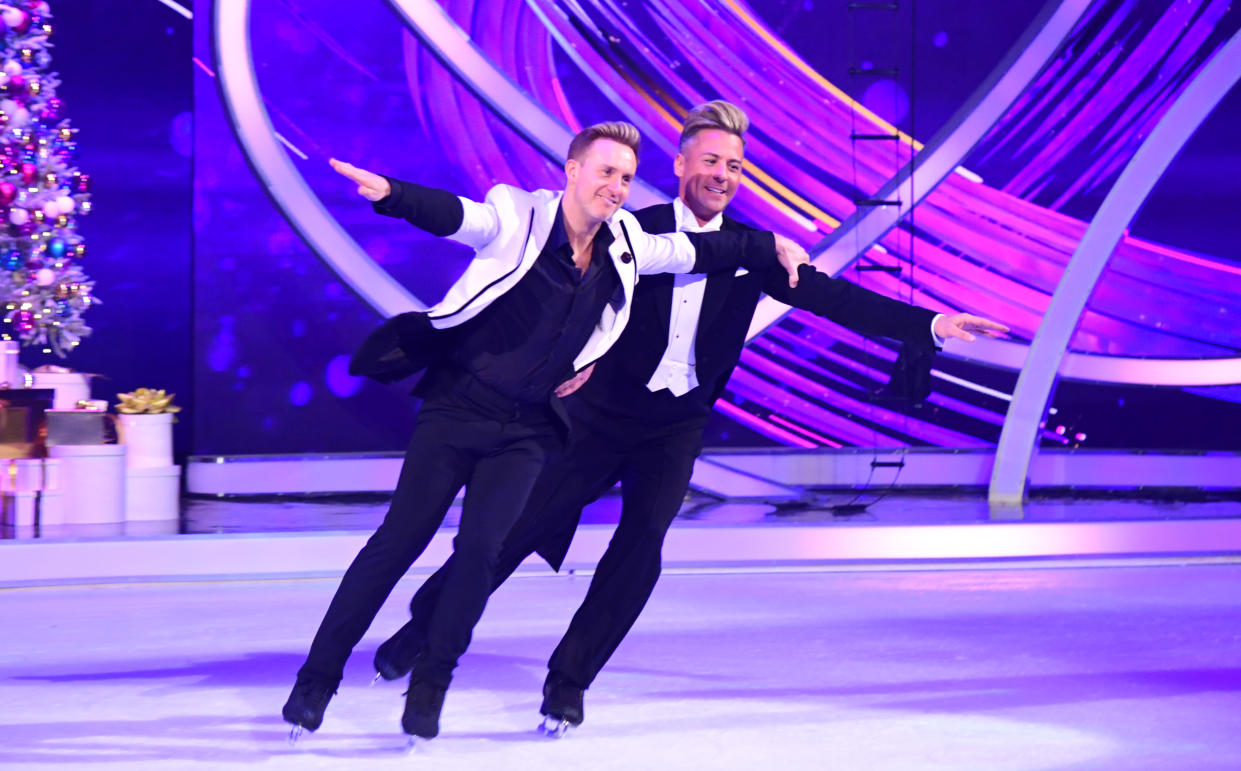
(710, 252)
(873, 314)
(436, 211)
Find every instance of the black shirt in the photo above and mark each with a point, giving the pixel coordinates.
(523, 344)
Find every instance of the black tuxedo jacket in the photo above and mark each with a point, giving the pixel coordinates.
(618, 384)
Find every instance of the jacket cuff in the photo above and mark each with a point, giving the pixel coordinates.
(936, 339)
(390, 204)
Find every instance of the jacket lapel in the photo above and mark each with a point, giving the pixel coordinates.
(500, 264)
(661, 219)
(544, 216)
(716, 294)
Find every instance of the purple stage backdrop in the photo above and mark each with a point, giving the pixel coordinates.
(126, 84)
(272, 325)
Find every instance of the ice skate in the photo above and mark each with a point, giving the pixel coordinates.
(554, 727)
(306, 705)
(423, 704)
(395, 657)
(562, 707)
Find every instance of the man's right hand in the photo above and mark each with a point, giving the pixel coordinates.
(791, 256)
(372, 187)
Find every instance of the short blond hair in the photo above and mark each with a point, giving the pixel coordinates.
(718, 115)
(617, 131)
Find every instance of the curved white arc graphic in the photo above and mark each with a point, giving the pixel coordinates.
(945, 152)
(651, 133)
(286, 187)
(475, 70)
(1019, 435)
(1102, 368)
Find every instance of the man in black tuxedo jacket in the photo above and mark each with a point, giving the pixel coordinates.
(639, 417)
(548, 291)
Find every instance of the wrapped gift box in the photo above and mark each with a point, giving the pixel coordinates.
(23, 421)
(77, 427)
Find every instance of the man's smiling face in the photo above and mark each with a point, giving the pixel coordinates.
(709, 169)
(599, 183)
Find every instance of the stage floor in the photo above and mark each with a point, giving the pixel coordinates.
(1058, 668)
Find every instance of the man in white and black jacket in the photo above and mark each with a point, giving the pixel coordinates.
(640, 416)
(549, 291)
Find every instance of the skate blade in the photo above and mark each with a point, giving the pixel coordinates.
(554, 727)
(375, 679)
(295, 733)
(416, 745)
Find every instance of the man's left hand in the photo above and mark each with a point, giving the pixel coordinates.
(962, 325)
(575, 382)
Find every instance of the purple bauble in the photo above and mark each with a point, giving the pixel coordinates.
(29, 170)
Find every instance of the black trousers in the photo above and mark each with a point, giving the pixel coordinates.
(463, 436)
(653, 465)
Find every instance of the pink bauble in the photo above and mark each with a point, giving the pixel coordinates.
(8, 193)
(51, 109)
(29, 170)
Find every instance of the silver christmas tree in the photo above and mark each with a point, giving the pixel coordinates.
(43, 290)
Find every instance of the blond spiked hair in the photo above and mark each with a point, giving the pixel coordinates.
(717, 114)
(617, 131)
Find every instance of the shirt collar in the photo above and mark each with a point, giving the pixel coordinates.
(558, 237)
(687, 222)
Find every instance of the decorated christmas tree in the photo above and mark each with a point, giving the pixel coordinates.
(43, 290)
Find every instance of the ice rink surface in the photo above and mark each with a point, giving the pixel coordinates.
(997, 669)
